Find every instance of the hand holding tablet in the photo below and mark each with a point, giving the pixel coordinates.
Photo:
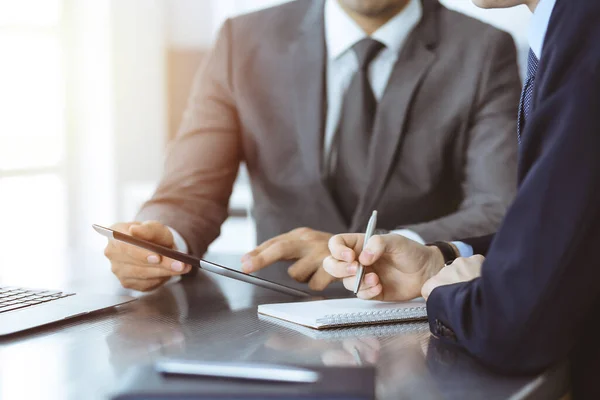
(197, 262)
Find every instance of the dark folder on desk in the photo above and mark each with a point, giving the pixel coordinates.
(340, 383)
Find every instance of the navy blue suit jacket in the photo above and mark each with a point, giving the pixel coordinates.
(538, 297)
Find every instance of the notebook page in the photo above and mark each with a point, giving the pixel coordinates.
(323, 313)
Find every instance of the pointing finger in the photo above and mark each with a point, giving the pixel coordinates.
(276, 251)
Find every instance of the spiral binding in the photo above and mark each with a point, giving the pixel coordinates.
(373, 330)
(373, 317)
(344, 332)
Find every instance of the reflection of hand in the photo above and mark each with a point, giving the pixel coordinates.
(295, 343)
(354, 352)
(461, 270)
(307, 246)
(141, 331)
(396, 267)
(141, 269)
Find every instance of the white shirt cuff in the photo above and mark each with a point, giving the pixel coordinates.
(180, 243)
(464, 249)
(412, 235)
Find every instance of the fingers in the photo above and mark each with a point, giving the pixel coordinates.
(345, 247)
(374, 249)
(276, 249)
(339, 269)
(370, 288)
(123, 253)
(119, 252)
(320, 280)
(303, 269)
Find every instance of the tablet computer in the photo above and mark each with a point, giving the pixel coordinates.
(198, 262)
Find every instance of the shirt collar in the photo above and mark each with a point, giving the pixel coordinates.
(341, 32)
(539, 26)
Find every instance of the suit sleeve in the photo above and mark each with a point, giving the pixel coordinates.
(203, 160)
(539, 282)
(488, 174)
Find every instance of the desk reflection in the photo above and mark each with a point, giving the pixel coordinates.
(214, 318)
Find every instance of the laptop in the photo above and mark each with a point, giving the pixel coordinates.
(22, 309)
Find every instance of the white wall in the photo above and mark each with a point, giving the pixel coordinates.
(139, 68)
(92, 152)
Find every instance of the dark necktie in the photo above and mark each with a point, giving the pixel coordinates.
(347, 166)
(527, 93)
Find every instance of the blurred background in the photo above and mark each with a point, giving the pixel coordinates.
(91, 91)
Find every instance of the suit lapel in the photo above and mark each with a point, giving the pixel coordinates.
(308, 58)
(411, 67)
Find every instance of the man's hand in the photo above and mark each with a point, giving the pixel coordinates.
(396, 267)
(307, 246)
(141, 269)
(461, 270)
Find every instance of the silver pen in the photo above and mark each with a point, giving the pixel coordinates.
(356, 355)
(361, 270)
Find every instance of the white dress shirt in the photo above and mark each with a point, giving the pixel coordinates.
(341, 33)
(539, 25)
(537, 33)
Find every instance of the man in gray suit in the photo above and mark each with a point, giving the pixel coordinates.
(337, 107)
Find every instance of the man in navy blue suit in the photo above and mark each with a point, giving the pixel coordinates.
(533, 300)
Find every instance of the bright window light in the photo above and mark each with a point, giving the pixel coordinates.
(34, 13)
(31, 101)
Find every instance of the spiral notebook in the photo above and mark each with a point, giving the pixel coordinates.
(334, 334)
(324, 314)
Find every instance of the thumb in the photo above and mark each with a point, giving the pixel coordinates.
(373, 251)
(154, 232)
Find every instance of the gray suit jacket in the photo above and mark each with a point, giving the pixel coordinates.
(443, 159)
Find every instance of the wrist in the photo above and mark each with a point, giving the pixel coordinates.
(436, 262)
(448, 250)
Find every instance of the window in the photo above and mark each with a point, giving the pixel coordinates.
(33, 187)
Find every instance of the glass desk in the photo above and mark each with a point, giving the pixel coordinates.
(214, 318)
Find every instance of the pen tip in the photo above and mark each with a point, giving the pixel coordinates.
(374, 213)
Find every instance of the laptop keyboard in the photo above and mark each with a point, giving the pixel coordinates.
(14, 298)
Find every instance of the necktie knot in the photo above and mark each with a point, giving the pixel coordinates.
(366, 50)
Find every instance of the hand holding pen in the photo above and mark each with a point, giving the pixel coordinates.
(398, 267)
